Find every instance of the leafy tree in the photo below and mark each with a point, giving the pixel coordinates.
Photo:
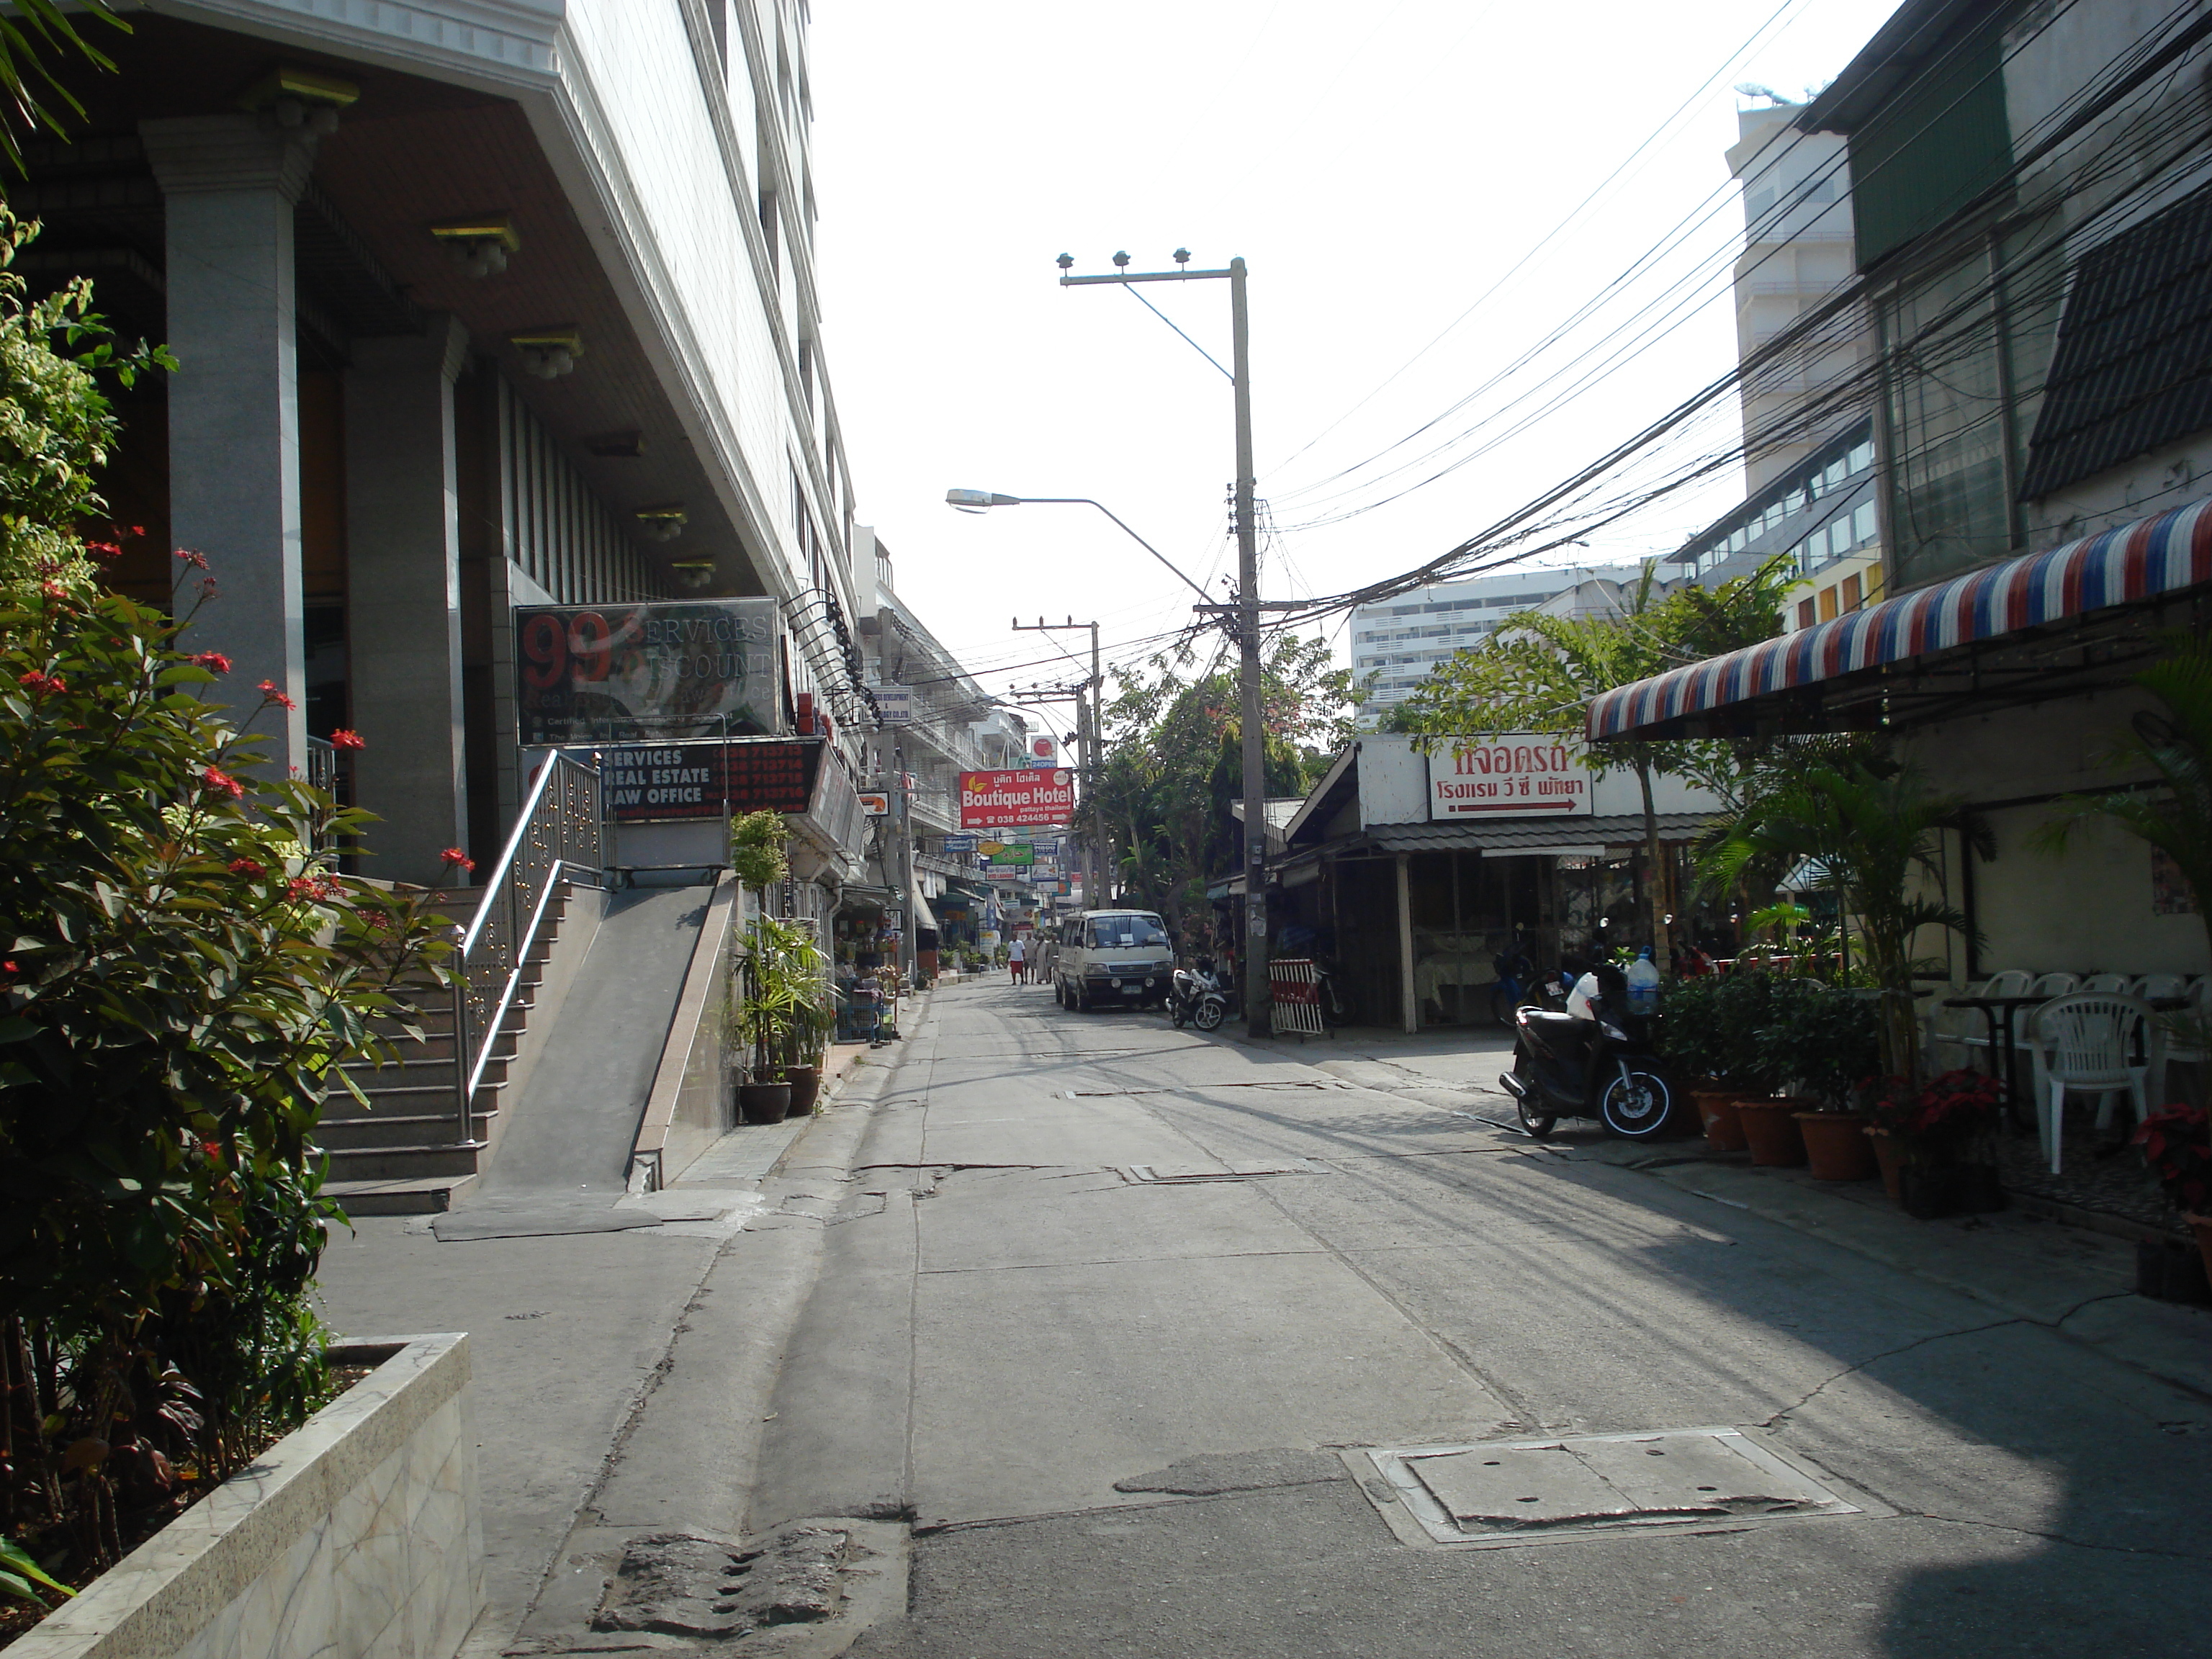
(33, 32)
(1538, 672)
(1174, 762)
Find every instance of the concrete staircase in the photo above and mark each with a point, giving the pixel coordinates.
(405, 1152)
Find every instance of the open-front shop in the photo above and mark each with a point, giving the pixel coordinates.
(1414, 873)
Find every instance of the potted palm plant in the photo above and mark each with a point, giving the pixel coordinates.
(1822, 1039)
(780, 1016)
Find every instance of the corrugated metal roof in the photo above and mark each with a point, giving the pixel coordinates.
(1528, 834)
(2133, 369)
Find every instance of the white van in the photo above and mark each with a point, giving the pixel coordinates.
(1112, 958)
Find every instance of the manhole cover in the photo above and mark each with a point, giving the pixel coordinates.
(1519, 1492)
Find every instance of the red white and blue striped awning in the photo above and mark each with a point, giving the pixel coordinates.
(2134, 562)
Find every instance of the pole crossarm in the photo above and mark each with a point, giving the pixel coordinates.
(1145, 277)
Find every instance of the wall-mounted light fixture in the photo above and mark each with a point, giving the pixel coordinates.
(548, 353)
(479, 246)
(663, 523)
(695, 574)
(300, 100)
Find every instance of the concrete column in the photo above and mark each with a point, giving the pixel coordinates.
(1409, 999)
(228, 183)
(404, 597)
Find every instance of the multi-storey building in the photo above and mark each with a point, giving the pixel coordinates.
(1395, 643)
(476, 303)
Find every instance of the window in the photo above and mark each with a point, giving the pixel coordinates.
(1806, 615)
(1126, 932)
(1862, 523)
(1851, 593)
(1827, 603)
(1862, 456)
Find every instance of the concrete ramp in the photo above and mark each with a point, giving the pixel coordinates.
(565, 1157)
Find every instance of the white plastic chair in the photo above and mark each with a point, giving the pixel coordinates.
(2054, 985)
(2012, 983)
(1957, 1028)
(2199, 992)
(2151, 987)
(2117, 985)
(2085, 1044)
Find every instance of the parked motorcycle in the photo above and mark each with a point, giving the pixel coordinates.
(1603, 1068)
(1196, 997)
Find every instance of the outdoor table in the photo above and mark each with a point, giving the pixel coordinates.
(1997, 1012)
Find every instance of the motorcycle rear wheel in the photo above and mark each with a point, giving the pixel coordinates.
(1635, 1106)
(1539, 1124)
(1208, 1013)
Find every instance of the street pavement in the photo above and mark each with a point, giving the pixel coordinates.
(1112, 1405)
(1104, 1311)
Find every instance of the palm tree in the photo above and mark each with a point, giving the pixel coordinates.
(1872, 832)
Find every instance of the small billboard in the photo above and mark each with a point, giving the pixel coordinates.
(1519, 775)
(1015, 799)
(701, 668)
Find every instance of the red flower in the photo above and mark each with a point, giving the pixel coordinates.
(36, 682)
(214, 659)
(270, 694)
(198, 561)
(213, 1149)
(9, 968)
(343, 738)
(136, 530)
(207, 587)
(221, 783)
(454, 855)
(53, 590)
(104, 549)
(247, 868)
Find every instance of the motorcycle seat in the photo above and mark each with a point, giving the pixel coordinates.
(1551, 1021)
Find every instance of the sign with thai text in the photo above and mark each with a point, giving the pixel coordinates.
(1521, 774)
(1006, 800)
(642, 672)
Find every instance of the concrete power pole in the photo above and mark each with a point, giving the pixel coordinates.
(1089, 737)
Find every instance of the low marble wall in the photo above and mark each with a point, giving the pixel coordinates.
(358, 1537)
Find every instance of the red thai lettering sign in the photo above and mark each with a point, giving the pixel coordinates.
(1009, 800)
(1522, 774)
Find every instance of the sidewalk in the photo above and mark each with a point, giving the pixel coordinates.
(2072, 1270)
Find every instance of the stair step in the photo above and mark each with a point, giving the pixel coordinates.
(407, 1195)
(394, 1132)
(435, 1048)
(403, 1162)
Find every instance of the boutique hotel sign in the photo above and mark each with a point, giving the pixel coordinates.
(1015, 799)
(1520, 775)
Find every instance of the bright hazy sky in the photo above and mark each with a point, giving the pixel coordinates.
(1381, 168)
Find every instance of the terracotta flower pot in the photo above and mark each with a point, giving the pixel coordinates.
(1835, 1146)
(763, 1103)
(1769, 1128)
(2201, 1227)
(806, 1082)
(1890, 1157)
(1717, 1111)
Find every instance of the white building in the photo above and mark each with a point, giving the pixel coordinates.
(1399, 641)
(478, 303)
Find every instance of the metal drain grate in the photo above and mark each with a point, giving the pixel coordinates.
(1522, 1491)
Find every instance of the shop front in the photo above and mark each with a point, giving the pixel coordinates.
(1415, 873)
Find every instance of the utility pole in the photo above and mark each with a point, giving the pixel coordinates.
(1252, 958)
(1090, 737)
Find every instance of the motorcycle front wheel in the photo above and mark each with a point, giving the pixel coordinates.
(1208, 1013)
(1539, 1124)
(1635, 1106)
(1176, 1013)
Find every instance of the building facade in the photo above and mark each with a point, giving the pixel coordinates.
(1395, 643)
(476, 303)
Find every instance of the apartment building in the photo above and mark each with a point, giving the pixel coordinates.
(1395, 643)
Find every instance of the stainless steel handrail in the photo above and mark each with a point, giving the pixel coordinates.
(556, 838)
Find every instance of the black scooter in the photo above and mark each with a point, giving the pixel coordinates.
(1603, 1068)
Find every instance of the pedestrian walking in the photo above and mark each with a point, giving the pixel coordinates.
(1016, 961)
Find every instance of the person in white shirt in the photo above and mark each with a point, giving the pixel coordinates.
(1016, 960)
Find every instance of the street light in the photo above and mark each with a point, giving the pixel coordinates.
(975, 501)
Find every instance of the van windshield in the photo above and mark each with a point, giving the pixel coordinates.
(1126, 932)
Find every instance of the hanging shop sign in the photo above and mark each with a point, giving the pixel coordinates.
(874, 805)
(610, 672)
(1011, 854)
(894, 705)
(647, 783)
(957, 846)
(1522, 774)
(1014, 799)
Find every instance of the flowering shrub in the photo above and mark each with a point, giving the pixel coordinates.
(1937, 1119)
(2176, 1144)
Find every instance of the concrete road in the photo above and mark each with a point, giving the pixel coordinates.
(1112, 1394)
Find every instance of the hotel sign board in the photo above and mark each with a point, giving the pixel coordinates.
(1015, 799)
(1521, 774)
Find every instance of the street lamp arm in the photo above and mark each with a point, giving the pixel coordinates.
(1085, 500)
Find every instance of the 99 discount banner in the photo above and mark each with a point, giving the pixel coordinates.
(702, 668)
